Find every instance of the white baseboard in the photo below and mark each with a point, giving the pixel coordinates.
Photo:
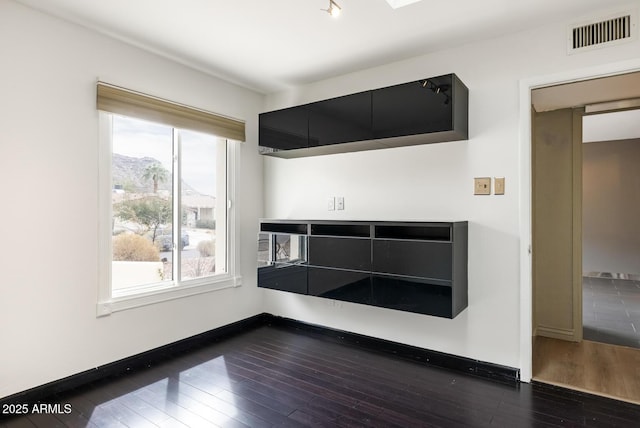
(556, 333)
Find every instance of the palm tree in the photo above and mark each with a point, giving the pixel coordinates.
(157, 173)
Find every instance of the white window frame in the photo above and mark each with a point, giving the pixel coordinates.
(155, 293)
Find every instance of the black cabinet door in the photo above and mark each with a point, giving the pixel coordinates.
(284, 277)
(284, 129)
(340, 120)
(345, 285)
(341, 253)
(413, 258)
(411, 295)
(418, 107)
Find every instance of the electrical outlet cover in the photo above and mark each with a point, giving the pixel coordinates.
(482, 186)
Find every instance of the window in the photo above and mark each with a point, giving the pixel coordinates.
(166, 190)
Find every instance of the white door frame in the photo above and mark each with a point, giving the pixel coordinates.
(526, 289)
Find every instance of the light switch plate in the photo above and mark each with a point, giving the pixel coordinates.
(499, 185)
(331, 204)
(340, 203)
(482, 186)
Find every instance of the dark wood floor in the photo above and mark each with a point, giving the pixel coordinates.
(273, 376)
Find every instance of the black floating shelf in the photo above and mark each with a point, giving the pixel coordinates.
(351, 230)
(423, 233)
(293, 228)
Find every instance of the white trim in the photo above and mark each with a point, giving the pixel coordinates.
(105, 145)
(176, 210)
(526, 85)
(163, 294)
(233, 224)
(557, 333)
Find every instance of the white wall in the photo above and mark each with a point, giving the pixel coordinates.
(611, 207)
(48, 219)
(434, 182)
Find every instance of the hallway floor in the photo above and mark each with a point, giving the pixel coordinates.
(598, 368)
(611, 310)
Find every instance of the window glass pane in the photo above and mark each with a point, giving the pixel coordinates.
(203, 197)
(141, 224)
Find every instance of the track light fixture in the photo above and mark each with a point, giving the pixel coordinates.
(437, 89)
(333, 9)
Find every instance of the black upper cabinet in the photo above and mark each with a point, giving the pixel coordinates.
(423, 111)
(285, 129)
(413, 108)
(340, 120)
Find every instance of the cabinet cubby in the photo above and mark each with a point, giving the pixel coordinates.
(341, 229)
(422, 233)
(293, 228)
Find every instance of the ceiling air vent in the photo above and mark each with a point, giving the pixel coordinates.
(618, 29)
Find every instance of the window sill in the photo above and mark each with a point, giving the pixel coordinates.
(163, 294)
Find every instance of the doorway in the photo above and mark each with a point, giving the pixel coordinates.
(559, 354)
(611, 230)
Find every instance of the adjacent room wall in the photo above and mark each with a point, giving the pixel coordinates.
(434, 182)
(611, 206)
(49, 217)
(556, 141)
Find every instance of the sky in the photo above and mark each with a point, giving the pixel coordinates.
(138, 138)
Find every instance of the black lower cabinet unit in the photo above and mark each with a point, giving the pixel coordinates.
(416, 267)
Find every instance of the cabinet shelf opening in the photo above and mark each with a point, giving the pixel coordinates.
(293, 228)
(352, 230)
(422, 233)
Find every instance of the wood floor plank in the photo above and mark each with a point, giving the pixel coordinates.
(20, 422)
(229, 409)
(75, 420)
(110, 399)
(81, 403)
(305, 419)
(630, 360)
(284, 397)
(599, 368)
(255, 408)
(602, 374)
(182, 414)
(172, 423)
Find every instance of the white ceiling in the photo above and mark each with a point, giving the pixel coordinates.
(270, 45)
